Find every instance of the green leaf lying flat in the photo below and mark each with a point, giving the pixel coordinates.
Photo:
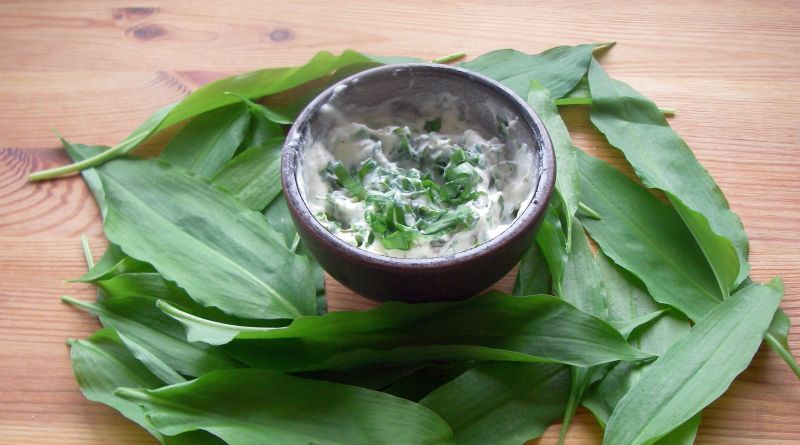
(533, 276)
(223, 254)
(101, 364)
(490, 327)
(214, 95)
(567, 180)
(250, 406)
(662, 160)
(253, 176)
(138, 319)
(648, 238)
(559, 69)
(209, 140)
(697, 369)
(502, 403)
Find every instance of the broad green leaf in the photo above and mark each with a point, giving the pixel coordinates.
(425, 379)
(552, 243)
(79, 152)
(559, 69)
(279, 218)
(252, 85)
(223, 254)
(250, 406)
(253, 176)
(264, 123)
(114, 262)
(662, 160)
(697, 369)
(582, 284)
(490, 327)
(138, 319)
(533, 275)
(647, 238)
(101, 364)
(567, 179)
(209, 140)
(778, 338)
(502, 403)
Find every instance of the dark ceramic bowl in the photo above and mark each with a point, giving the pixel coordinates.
(449, 277)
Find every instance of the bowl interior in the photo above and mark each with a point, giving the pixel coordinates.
(483, 103)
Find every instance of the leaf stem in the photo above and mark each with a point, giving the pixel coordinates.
(450, 58)
(588, 211)
(565, 101)
(72, 301)
(87, 251)
(785, 354)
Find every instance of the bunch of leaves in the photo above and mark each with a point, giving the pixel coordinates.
(213, 309)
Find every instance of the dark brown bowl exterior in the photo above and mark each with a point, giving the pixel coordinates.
(450, 277)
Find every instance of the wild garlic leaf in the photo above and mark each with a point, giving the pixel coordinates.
(697, 369)
(502, 403)
(254, 84)
(490, 327)
(138, 319)
(248, 406)
(114, 262)
(778, 338)
(559, 69)
(552, 243)
(209, 140)
(278, 217)
(662, 160)
(254, 176)
(223, 254)
(648, 238)
(533, 275)
(101, 364)
(567, 180)
(79, 152)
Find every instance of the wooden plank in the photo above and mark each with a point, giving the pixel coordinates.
(95, 71)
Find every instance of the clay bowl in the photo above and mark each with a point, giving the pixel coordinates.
(449, 277)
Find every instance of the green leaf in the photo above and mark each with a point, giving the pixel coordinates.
(254, 84)
(138, 319)
(79, 152)
(490, 327)
(778, 338)
(101, 364)
(223, 254)
(697, 369)
(646, 237)
(502, 403)
(559, 69)
(114, 262)
(249, 406)
(533, 276)
(552, 243)
(662, 160)
(209, 140)
(582, 284)
(567, 179)
(254, 176)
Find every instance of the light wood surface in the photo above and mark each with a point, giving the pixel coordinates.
(95, 70)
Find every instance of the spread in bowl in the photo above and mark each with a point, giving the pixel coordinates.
(415, 181)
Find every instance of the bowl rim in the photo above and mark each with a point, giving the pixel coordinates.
(524, 222)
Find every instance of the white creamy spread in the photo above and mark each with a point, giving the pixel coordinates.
(418, 184)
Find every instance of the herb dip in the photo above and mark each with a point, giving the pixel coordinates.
(415, 181)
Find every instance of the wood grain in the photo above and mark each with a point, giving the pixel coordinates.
(94, 70)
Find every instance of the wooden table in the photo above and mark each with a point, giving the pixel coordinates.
(94, 71)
